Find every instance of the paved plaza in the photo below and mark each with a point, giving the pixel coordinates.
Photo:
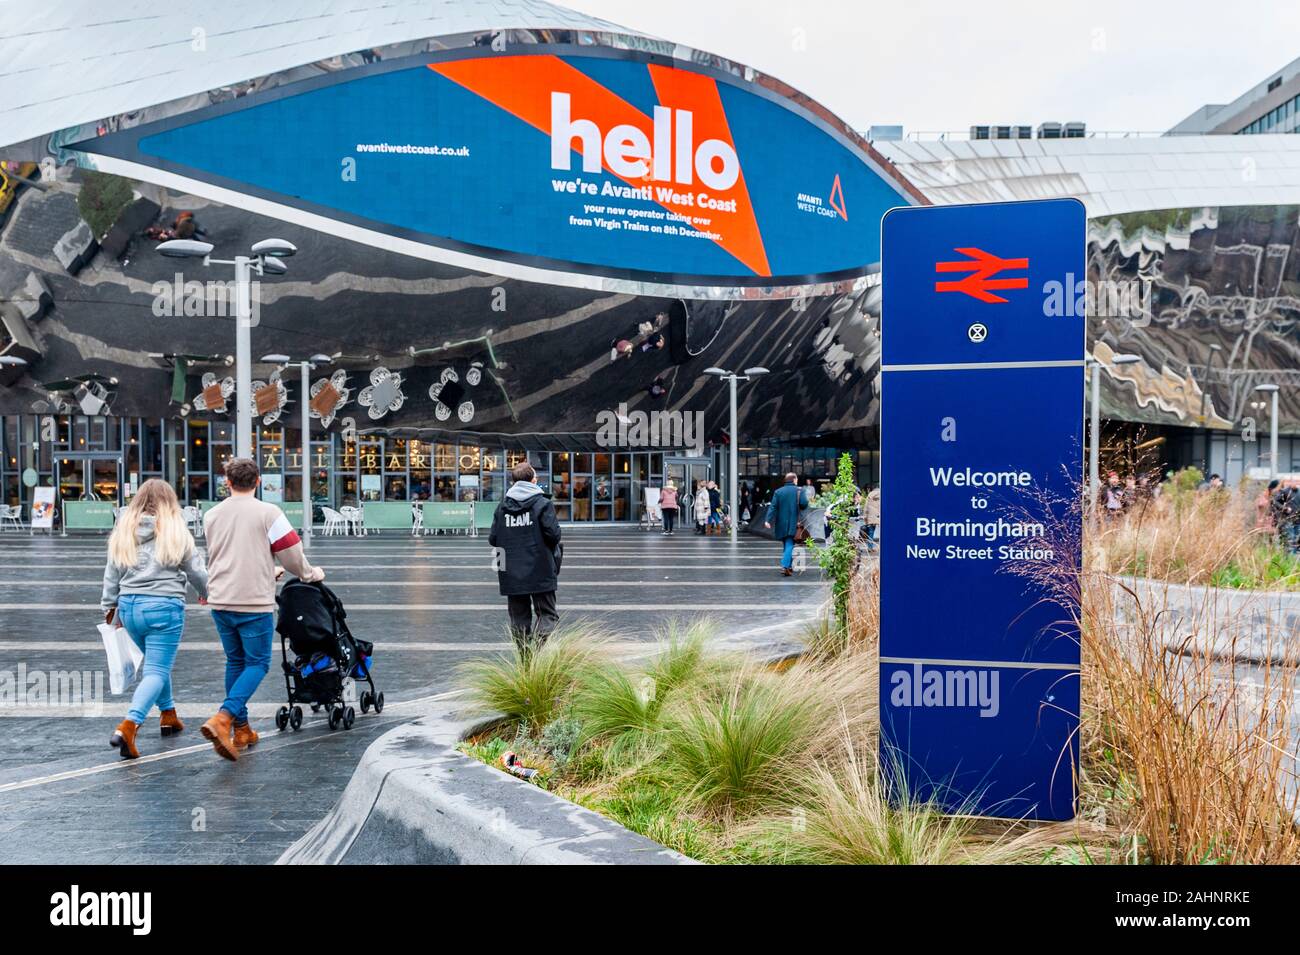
(428, 604)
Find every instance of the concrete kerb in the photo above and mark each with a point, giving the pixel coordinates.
(416, 799)
(1241, 626)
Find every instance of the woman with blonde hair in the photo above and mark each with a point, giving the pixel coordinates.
(151, 554)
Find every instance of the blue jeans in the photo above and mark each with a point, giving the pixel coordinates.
(155, 625)
(246, 638)
(787, 553)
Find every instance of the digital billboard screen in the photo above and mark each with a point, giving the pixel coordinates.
(611, 162)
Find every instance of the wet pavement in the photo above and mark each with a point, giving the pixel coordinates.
(428, 604)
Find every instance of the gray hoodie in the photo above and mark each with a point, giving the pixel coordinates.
(147, 577)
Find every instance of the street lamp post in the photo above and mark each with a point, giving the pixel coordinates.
(1094, 430)
(733, 463)
(305, 366)
(265, 260)
(1272, 429)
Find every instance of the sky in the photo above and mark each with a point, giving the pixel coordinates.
(930, 65)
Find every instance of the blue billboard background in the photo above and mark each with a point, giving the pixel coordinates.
(500, 197)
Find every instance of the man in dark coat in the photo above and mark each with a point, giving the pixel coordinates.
(783, 518)
(526, 537)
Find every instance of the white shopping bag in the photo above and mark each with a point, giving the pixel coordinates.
(124, 657)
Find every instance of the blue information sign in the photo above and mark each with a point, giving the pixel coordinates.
(981, 459)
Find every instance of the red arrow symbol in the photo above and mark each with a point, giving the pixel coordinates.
(982, 266)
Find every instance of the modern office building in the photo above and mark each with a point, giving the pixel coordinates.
(1271, 106)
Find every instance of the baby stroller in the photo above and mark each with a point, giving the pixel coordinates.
(327, 658)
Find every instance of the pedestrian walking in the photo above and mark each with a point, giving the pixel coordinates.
(151, 557)
(871, 517)
(715, 507)
(701, 507)
(668, 505)
(783, 519)
(526, 533)
(1286, 515)
(1264, 518)
(245, 538)
(1113, 496)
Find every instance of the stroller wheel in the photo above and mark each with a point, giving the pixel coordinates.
(336, 717)
(349, 715)
(315, 707)
(379, 702)
(295, 717)
(365, 702)
(282, 718)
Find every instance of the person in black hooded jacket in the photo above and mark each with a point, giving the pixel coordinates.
(526, 536)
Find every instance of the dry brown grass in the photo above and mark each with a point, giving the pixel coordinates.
(1187, 538)
(1185, 759)
(1189, 757)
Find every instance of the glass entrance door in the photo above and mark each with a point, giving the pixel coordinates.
(89, 479)
(685, 473)
(104, 479)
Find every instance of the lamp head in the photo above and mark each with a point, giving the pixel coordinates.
(275, 248)
(717, 372)
(756, 371)
(185, 249)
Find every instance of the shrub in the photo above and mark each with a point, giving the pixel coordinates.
(561, 738)
(102, 199)
(530, 688)
(838, 557)
(681, 657)
(742, 750)
(611, 703)
(849, 818)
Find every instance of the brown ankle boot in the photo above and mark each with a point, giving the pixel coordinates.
(245, 736)
(169, 724)
(123, 739)
(219, 731)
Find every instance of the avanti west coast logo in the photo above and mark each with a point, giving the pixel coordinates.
(76, 908)
(921, 686)
(621, 428)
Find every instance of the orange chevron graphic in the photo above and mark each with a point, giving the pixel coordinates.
(525, 90)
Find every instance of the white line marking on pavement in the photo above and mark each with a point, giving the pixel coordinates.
(482, 562)
(269, 742)
(499, 605)
(216, 645)
(467, 583)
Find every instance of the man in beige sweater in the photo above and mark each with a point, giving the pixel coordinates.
(245, 536)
